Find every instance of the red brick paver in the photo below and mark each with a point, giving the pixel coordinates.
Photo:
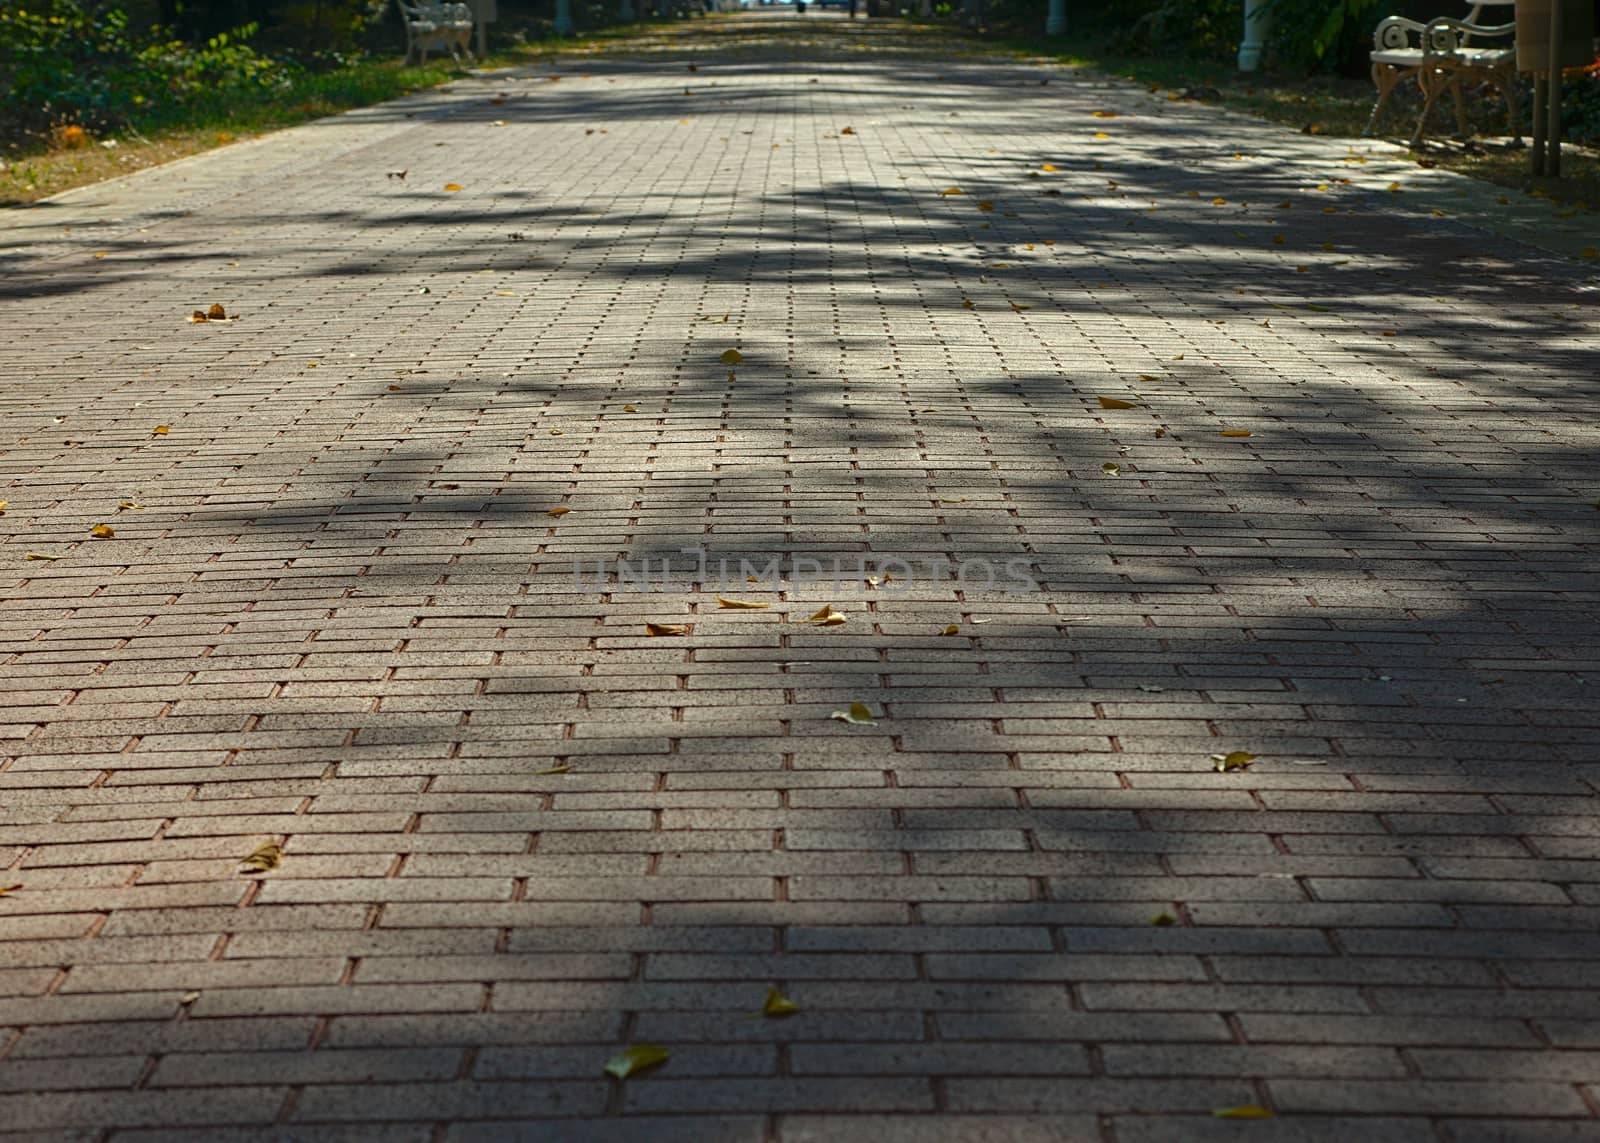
(520, 833)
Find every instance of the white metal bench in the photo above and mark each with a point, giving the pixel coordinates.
(430, 26)
(1441, 54)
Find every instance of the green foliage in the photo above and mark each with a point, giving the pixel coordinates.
(1312, 35)
(1580, 105)
(64, 62)
(1199, 29)
(1195, 29)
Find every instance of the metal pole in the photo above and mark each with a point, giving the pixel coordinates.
(1056, 23)
(563, 25)
(1257, 17)
(1536, 151)
(1552, 120)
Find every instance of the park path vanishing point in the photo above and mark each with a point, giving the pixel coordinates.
(339, 612)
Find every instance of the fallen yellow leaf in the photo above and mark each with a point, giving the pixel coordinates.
(664, 629)
(1163, 919)
(778, 1005)
(452, 187)
(102, 531)
(741, 604)
(731, 357)
(640, 1057)
(1115, 403)
(1234, 433)
(264, 857)
(1105, 114)
(122, 506)
(858, 714)
(161, 430)
(985, 205)
(1101, 135)
(1233, 760)
(40, 556)
(629, 409)
(1111, 469)
(1243, 1111)
(1048, 167)
(558, 510)
(560, 768)
(952, 190)
(953, 629)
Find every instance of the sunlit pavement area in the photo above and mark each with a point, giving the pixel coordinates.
(1121, 432)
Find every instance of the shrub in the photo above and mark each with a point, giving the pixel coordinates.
(1580, 105)
(64, 63)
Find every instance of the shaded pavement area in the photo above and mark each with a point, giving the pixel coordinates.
(1172, 434)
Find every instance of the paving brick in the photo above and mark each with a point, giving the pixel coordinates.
(220, 1069)
(662, 1129)
(459, 1100)
(1437, 1097)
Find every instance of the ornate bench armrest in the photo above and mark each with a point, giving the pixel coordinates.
(1395, 32)
(1446, 35)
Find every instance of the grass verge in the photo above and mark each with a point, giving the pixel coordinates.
(30, 171)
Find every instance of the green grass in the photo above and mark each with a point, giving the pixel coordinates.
(37, 167)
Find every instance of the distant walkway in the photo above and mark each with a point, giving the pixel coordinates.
(1120, 433)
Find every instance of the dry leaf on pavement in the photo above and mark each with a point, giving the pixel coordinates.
(1243, 1111)
(638, 1058)
(778, 1005)
(264, 857)
(1233, 760)
(858, 714)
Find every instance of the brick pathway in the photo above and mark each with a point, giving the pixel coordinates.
(345, 619)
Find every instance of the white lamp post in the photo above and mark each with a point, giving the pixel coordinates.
(563, 25)
(1256, 21)
(1056, 23)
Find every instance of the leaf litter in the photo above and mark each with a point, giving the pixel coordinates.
(263, 858)
(858, 714)
(635, 1059)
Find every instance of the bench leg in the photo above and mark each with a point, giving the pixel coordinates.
(1507, 83)
(1386, 77)
(1433, 85)
(1461, 107)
